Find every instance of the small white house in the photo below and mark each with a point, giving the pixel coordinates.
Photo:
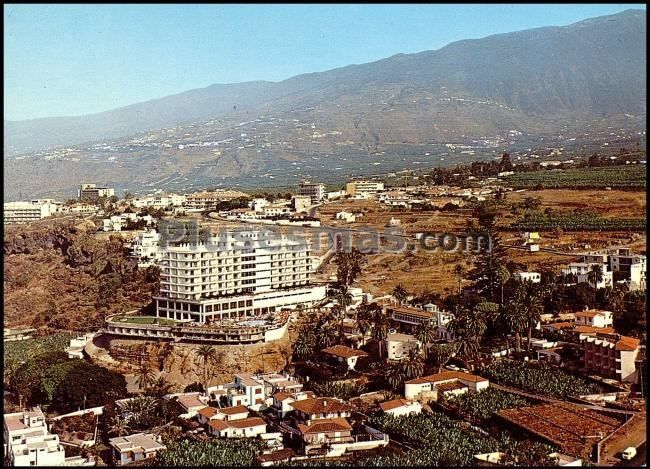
(345, 354)
(594, 318)
(533, 277)
(243, 428)
(399, 407)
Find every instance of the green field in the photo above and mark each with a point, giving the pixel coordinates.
(616, 177)
(23, 349)
(584, 221)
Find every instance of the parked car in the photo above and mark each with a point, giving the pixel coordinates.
(629, 453)
(452, 367)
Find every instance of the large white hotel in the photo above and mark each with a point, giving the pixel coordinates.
(236, 275)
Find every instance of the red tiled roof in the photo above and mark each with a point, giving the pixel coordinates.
(249, 422)
(325, 425)
(590, 329)
(345, 352)
(240, 409)
(561, 325)
(276, 456)
(321, 405)
(445, 376)
(221, 425)
(450, 386)
(394, 404)
(280, 396)
(590, 314)
(208, 412)
(627, 344)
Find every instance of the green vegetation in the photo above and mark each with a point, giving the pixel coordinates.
(482, 405)
(22, 349)
(51, 378)
(212, 453)
(441, 441)
(539, 378)
(616, 177)
(577, 221)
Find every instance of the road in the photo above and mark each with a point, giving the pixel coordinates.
(638, 460)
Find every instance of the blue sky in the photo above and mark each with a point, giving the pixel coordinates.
(79, 59)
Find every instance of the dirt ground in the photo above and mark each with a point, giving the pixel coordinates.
(421, 270)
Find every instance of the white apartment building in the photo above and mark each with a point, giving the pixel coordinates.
(633, 266)
(314, 190)
(120, 222)
(533, 277)
(91, 191)
(300, 203)
(203, 201)
(363, 187)
(146, 247)
(234, 275)
(25, 212)
(27, 441)
(581, 271)
(159, 201)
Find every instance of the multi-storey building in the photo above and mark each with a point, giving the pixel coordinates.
(314, 190)
(234, 275)
(159, 201)
(146, 247)
(611, 356)
(581, 271)
(25, 212)
(632, 266)
(204, 201)
(91, 191)
(27, 441)
(363, 187)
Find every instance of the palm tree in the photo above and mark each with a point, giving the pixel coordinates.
(395, 376)
(400, 293)
(412, 365)
(467, 328)
(533, 310)
(515, 314)
(380, 329)
(459, 270)
(503, 275)
(119, 427)
(595, 275)
(305, 344)
(426, 334)
(206, 354)
(326, 335)
(145, 376)
(441, 353)
(161, 387)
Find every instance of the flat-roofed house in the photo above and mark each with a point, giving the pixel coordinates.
(132, 448)
(27, 441)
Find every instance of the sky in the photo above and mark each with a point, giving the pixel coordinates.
(63, 60)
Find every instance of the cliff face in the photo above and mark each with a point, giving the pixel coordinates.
(60, 276)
